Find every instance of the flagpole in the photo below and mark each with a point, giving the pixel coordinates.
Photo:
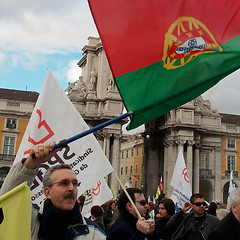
(64, 142)
(129, 198)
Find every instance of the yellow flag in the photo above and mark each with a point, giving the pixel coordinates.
(15, 214)
(114, 195)
(157, 193)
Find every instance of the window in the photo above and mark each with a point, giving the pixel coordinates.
(126, 170)
(231, 143)
(127, 154)
(136, 184)
(131, 170)
(122, 154)
(231, 163)
(121, 171)
(11, 123)
(132, 153)
(8, 148)
(204, 161)
(136, 171)
(137, 151)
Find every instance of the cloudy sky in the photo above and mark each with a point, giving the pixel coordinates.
(39, 34)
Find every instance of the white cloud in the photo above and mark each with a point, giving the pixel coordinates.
(45, 26)
(225, 95)
(74, 71)
(2, 60)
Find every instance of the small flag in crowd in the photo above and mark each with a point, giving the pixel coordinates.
(232, 185)
(180, 182)
(97, 195)
(159, 189)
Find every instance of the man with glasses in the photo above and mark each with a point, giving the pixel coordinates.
(128, 226)
(196, 224)
(60, 218)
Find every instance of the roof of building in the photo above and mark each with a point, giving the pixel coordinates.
(18, 95)
(230, 118)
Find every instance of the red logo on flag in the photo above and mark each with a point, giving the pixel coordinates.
(96, 190)
(41, 124)
(185, 174)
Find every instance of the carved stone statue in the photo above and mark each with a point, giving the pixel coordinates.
(111, 83)
(77, 90)
(92, 81)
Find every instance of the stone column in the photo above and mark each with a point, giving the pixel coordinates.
(190, 160)
(170, 164)
(180, 144)
(196, 167)
(218, 174)
(115, 161)
(106, 149)
(165, 170)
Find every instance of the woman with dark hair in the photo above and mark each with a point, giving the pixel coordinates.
(212, 209)
(166, 210)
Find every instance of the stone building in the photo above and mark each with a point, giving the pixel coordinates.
(15, 110)
(131, 160)
(97, 99)
(210, 142)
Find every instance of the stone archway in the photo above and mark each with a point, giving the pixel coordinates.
(206, 190)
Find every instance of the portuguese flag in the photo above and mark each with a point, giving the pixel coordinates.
(164, 53)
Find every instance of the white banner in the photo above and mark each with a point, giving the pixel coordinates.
(97, 195)
(55, 118)
(181, 183)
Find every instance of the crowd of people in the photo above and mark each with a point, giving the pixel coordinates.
(121, 219)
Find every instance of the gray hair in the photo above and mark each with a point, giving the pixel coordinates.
(47, 180)
(234, 197)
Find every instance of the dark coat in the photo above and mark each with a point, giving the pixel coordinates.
(228, 228)
(125, 229)
(180, 224)
(160, 231)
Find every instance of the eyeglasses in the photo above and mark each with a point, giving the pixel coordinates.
(142, 202)
(66, 183)
(199, 204)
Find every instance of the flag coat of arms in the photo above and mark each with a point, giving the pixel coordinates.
(15, 214)
(165, 53)
(55, 118)
(180, 182)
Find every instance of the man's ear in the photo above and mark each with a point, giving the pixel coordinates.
(47, 192)
(129, 207)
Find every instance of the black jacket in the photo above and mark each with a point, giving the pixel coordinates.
(160, 231)
(125, 229)
(228, 228)
(180, 224)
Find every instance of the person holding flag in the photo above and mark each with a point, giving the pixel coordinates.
(60, 217)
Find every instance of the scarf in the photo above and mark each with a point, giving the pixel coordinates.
(54, 222)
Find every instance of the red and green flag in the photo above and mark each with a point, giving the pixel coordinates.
(165, 53)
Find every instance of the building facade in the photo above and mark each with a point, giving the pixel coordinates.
(97, 99)
(15, 110)
(210, 143)
(131, 161)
